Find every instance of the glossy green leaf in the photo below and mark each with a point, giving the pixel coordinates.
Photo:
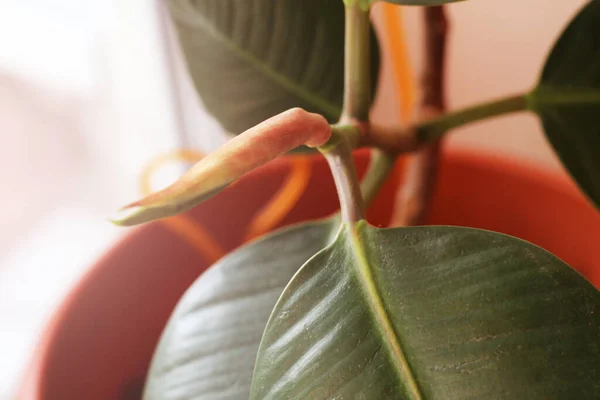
(432, 313)
(252, 59)
(568, 99)
(210, 343)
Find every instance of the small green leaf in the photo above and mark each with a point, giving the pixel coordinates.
(252, 59)
(568, 99)
(432, 313)
(209, 346)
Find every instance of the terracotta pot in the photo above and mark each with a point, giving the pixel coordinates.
(100, 342)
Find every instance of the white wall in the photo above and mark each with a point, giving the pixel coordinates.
(496, 48)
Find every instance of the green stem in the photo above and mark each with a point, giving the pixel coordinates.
(380, 166)
(357, 100)
(434, 128)
(357, 83)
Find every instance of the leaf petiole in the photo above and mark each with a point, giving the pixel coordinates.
(380, 167)
(436, 127)
(338, 153)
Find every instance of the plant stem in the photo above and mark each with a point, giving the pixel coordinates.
(398, 140)
(357, 81)
(414, 197)
(380, 166)
(341, 163)
(436, 127)
(355, 113)
(436, 38)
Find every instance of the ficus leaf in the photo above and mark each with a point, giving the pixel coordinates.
(240, 155)
(567, 99)
(252, 59)
(209, 346)
(432, 313)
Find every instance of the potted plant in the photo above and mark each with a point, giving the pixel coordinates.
(338, 308)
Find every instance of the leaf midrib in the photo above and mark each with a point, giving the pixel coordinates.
(376, 306)
(199, 21)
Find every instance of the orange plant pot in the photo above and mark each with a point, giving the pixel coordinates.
(99, 343)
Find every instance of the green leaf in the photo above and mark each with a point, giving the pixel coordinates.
(210, 343)
(252, 59)
(432, 313)
(568, 99)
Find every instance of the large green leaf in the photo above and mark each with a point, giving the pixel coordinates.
(568, 99)
(210, 343)
(252, 59)
(432, 313)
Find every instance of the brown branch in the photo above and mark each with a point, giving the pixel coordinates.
(392, 140)
(435, 45)
(414, 197)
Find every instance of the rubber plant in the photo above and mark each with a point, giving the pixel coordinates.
(339, 309)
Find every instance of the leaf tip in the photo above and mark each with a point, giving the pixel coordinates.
(133, 215)
(319, 128)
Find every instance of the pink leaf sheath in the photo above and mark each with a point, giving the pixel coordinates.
(245, 152)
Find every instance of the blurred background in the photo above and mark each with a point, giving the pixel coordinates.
(90, 91)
